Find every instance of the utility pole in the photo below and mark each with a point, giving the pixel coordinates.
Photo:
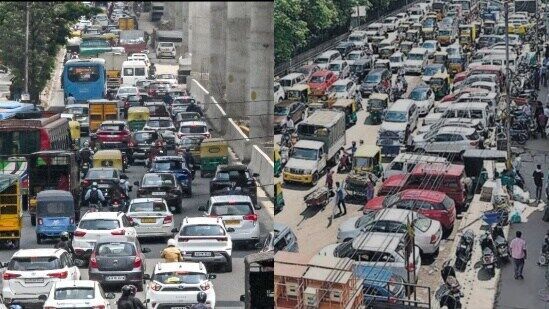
(507, 84)
(25, 96)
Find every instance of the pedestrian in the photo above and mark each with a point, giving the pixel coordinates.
(71, 99)
(369, 190)
(537, 79)
(341, 199)
(330, 180)
(542, 122)
(518, 253)
(538, 181)
(544, 75)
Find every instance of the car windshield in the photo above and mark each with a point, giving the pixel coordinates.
(72, 293)
(126, 90)
(147, 207)
(179, 277)
(428, 23)
(167, 165)
(115, 249)
(391, 199)
(202, 230)
(444, 32)
(339, 88)
(305, 154)
(100, 174)
(428, 45)
(144, 137)
(321, 60)
(418, 94)
(159, 123)
(394, 116)
(414, 56)
(193, 129)
(317, 79)
(34, 263)
(373, 78)
(430, 71)
(158, 180)
(365, 219)
(231, 209)
(99, 224)
(334, 67)
(437, 82)
(281, 110)
(395, 59)
(354, 56)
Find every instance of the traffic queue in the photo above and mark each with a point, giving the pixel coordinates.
(69, 170)
(431, 80)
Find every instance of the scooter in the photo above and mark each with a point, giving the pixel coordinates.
(85, 168)
(488, 256)
(464, 250)
(500, 243)
(449, 292)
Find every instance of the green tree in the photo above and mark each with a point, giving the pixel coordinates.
(319, 14)
(290, 31)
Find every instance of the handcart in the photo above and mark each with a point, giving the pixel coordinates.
(319, 197)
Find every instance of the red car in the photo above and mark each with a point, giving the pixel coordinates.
(482, 69)
(392, 185)
(113, 133)
(457, 94)
(432, 204)
(320, 81)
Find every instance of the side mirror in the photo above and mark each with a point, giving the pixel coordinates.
(43, 297)
(230, 229)
(212, 276)
(136, 183)
(202, 208)
(146, 277)
(175, 230)
(110, 296)
(242, 298)
(145, 250)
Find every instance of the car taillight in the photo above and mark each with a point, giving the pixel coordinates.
(9, 276)
(433, 239)
(99, 307)
(250, 217)
(40, 221)
(155, 286)
(59, 275)
(93, 261)
(410, 267)
(168, 219)
(137, 262)
(205, 286)
(118, 232)
(79, 233)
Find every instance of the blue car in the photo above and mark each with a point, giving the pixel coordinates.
(380, 285)
(55, 214)
(175, 165)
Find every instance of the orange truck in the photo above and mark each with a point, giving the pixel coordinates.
(102, 110)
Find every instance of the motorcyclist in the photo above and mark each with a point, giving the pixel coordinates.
(94, 195)
(172, 253)
(65, 243)
(128, 300)
(193, 108)
(187, 155)
(152, 70)
(289, 124)
(201, 299)
(86, 154)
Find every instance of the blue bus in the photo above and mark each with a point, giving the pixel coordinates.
(85, 79)
(8, 109)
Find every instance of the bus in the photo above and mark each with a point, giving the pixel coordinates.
(85, 79)
(8, 109)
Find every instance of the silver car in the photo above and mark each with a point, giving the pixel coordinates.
(151, 217)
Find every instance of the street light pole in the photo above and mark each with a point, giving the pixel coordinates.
(507, 84)
(26, 94)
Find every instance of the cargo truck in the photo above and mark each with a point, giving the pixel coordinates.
(102, 110)
(113, 66)
(133, 41)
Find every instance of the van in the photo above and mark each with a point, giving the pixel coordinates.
(326, 57)
(417, 60)
(471, 110)
(134, 71)
(405, 162)
(292, 79)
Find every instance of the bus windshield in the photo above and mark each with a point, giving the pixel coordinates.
(85, 80)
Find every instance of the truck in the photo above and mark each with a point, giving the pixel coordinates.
(133, 41)
(259, 280)
(184, 69)
(113, 66)
(127, 23)
(101, 110)
(170, 36)
(157, 11)
(321, 136)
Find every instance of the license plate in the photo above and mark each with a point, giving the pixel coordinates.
(232, 222)
(179, 307)
(115, 278)
(148, 220)
(202, 254)
(159, 193)
(34, 280)
(55, 222)
(489, 266)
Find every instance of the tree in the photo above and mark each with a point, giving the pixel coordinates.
(319, 14)
(290, 31)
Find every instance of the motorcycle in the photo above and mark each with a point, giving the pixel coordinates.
(464, 250)
(344, 162)
(85, 168)
(449, 292)
(284, 155)
(500, 243)
(488, 256)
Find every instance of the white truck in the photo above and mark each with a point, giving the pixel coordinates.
(184, 69)
(113, 66)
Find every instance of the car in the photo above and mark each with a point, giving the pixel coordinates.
(487, 78)
(157, 89)
(377, 79)
(113, 134)
(375, 29)
(94, 225)
(326, 57)
(416, 60)
(447, 140)
(359, 38)
(431, 46)
(282, 238)
(401, 118)
(163, 185)
(237, 175)
(488, 86)
(170, 78)
(455, 122)
(424, 97)
(166, 49)
(105, 177)
(193, 128)
(32, 272)
(355, 55)
(375, 248)
(352, 227)
(308, 70)
(292, 79)
(402, 16)
(141, 142)
(140, 57)
(431, 70)
(396, 61)
(320, 81)
(294, 109)
(340, 68)
(132, 100)
(116, 261)
(391, 23)
(177, 166)
(206, 240)
(238, 213)
(152, 217)
(278, 92)
(345, 48)
(163, 126)
(344, 89)
(178, 283)
(432, 204)
(124, 91)
(72, 293)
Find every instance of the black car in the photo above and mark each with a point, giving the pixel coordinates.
(378, 80)
(175, 165)
(361, 67)
(105, 178)
(235, 175)
(345, 47)
(141, 142)
(162, 185)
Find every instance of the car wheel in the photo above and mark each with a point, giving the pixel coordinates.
(315, 179)
(229, 266)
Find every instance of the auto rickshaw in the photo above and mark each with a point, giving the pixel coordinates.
(55, 214)
(489, 27)
(110, 158)
(213, 152)
(278, 197)
(456, 64)
(348, 106)
(299, 92)
(377, 104)
(440, 84)
(387, 51)
(413, 35)
(137, 117)
(11, 212)
(375, 40)
(406, 46)
(367, 158)
(74, 127)
(441, 57)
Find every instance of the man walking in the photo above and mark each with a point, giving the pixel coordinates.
(330, 180)
(518, 253)
(341, 199)
(538, 181)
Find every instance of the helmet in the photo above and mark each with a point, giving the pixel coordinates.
(122, 181)
(126, 290)
(172, 242)
(201, 297)
(65, 236)
(86, 144)
(133, 289)
(94, 184)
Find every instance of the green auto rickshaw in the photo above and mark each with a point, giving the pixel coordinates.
(377, 104)
(213, 152)
(440, 84)
(137, 117)
(278, 198)
(348, 106)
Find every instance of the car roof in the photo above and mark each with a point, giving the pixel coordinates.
(438, 168)
(231, 167)
(100, 215)
(75, 283)
(456, 130)
(342, 81)
(202, 220)
(423, 195)
(377, 71)
(467, 105)
(401, 105)
(38, 252)
(322, 73)
(54, 194)
(395, 214)
(230, 199)
(116, 122)
(178, 266)
(377, 241)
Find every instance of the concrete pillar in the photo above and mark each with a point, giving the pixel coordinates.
(184, 25)
(200, 42)
(218, 42)
(260, 72)
(238, 23)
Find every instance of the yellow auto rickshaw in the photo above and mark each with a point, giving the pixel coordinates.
(277, 161)
(137, 117)
(299, 92)
(367, 158)
(213, 152)
(109, 158)
(278, 198)
(11, 211)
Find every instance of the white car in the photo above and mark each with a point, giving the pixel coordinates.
(354, 56)
(32, 272)
(82, 24)
(431, 46)
(340, 68)
(166, 49)
(396, 61)
(152, 217)
(176, 285)
(170, 78)
(206, 240)
(140, 57)
(436, 114)
(78, 293)
(279, 93)
(343, 89)
(193, 128)
(160, 124)
(101, 20)
(447, 140)
(402, 16)
(453, 122)
(94, 225)
(125, 91)
(237, 213)
(391, 23)
(428, 233)
(416, 60)
(424, 97)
